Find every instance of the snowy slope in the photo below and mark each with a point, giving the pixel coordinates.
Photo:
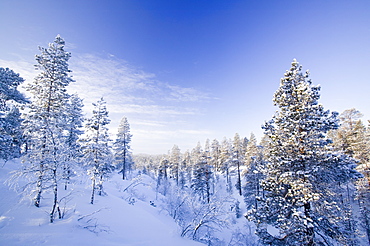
(115, 219)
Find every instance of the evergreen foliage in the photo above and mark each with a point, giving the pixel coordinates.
(72, 134)
(162, 178)
(225, 162)
(46, 122)
(202, 179)
(253, 175)
(302, 171)
(351, 138)
(96, 151)
(10, 120)
(238, 160)
(174, 162)
(121, 147)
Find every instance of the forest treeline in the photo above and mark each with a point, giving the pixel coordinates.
(306, 182)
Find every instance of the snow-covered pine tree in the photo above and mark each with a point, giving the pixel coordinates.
(363, 187)
(10, 121)
(96, 151)
(351, 139)
(11, 134)
(244, 144)
(215, 155)
(45, 121)
(251, 151)
(121, 147)
(162, 179)
(73, 132)
(196, 154)
(202, 178)
(185, 173)
(302, 170)
(225, 162)
(238, 160)
(174, 162)
(254, 161)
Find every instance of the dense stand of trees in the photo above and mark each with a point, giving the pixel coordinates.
(305, 183)
(10, 121)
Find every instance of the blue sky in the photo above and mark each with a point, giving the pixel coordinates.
(185, 71)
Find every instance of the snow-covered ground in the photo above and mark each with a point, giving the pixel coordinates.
(118, 218)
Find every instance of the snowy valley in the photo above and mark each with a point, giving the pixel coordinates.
(131, 212)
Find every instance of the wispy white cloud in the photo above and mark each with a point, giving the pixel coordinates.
(160, 113)
(125, 85)
(111, 71)
(179, 93)
(110, 78)
(196, 132)
(151, 109)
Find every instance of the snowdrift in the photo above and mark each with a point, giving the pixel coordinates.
(116, 218)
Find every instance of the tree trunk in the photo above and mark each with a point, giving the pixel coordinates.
(67, 179)
(208, 186)
(93, 191)
(55, 202)
(239, 180)
(124, 164)
(227, 179)
(100, 185)
(39, 186)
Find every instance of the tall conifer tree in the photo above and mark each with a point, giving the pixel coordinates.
(175, 160)
(122, 152)
(238, 159)
(46, 119)
(96, 150)
(300, 178)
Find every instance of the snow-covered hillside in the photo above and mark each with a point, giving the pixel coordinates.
(114, 219)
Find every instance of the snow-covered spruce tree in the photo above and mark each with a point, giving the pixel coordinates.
(121, 147)
(46, 122)
(10, 121)
(72, 134)
(302, 170)
(96, 151)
